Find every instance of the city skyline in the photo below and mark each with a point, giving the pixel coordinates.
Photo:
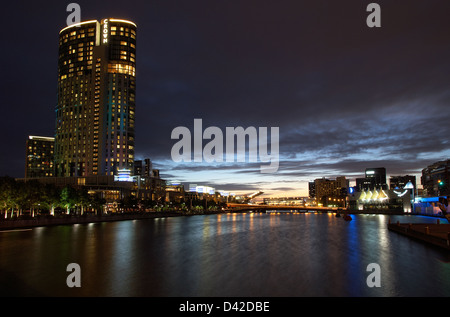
(344, 96)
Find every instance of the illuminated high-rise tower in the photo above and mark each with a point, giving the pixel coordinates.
(95, 113)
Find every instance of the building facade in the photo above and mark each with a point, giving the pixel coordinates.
(401, 181)
(312, 189)
(143, 168)
(379, 200)
(331, 192)
(95, 111)
(436, 178)
(39, 157)
(375, 178)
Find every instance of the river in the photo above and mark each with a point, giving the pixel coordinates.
(239, 255)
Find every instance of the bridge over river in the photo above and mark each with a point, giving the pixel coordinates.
(264, 208)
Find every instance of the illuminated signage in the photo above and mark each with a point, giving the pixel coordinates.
(105, 31)
(202, 189)
(399, 194)
(123, 175)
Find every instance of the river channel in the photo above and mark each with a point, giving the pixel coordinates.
(241, 254)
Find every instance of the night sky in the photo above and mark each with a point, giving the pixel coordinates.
(344, 96)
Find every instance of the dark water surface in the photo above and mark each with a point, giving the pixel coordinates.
(224, 255)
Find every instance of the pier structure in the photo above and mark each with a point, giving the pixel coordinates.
(437, 234)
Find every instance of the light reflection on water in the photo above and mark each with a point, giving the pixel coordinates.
(224, 255)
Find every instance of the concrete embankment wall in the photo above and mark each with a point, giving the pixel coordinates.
(435, 234)
(53, 221)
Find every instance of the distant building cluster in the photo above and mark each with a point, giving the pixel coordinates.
(373, 192)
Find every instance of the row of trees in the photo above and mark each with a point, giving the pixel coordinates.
(17, 198)
(32, 198)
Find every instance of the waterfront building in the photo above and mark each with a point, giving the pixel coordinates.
(148, 180)
(39, 157)
(200, 192)
(401, 181)
(112, 188)
(153, 188)
(202, 189)
(93, 147)
(362, 184)
(143, 168)
(375, 178)
(331, 192)
(312, 189)
(381, 200)
(174, 192)
(95, 110)
(436, 178)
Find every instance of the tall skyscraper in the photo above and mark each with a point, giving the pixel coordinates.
(39, 157)
(95, 113)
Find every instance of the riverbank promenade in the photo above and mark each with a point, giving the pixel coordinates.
(11, 224)
(62, 219)
(437, 234)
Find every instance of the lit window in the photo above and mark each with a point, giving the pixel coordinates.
(121, 69)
